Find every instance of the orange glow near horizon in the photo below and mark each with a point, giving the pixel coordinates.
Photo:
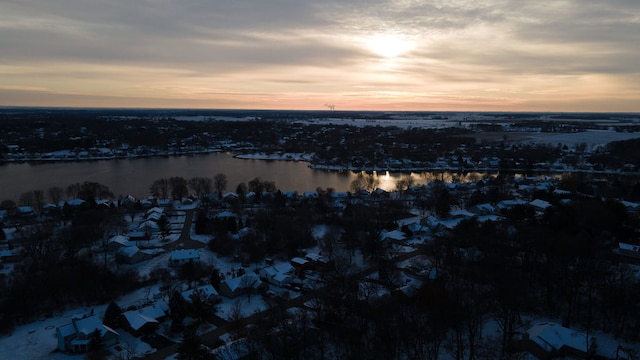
(391, 56)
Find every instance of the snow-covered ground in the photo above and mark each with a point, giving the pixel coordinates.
(592, 138)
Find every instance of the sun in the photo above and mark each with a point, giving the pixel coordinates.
(389, 45)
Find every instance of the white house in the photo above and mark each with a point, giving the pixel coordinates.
(279, 275)
(181, 257)
(207, 291)
(550, 340)
(241, 285)
(75, 337)
(145, 320)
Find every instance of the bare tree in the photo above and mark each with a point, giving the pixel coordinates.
(220, 183)
(55, 194)
(26, 198)
(73, 190)
(38, 199)
(405, 182)
(364, 182)
(160, 188)
(200, 185)
(178, 187)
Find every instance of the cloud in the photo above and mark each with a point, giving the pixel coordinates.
(176, 48)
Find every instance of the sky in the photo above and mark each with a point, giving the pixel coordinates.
(455, 55)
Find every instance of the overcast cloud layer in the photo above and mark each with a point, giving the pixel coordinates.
(572, 55)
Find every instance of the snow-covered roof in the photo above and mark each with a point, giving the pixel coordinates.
(206, 290)
(540, 204)
(137, 319)
(76, 202)
(123, 240)
(226, 214)
(154, 216)
(299, 261)
(505, 204)
(393, 235)
(494, 218)
(281, 277)
(284, 267)
(551, 336)
(461, 213)
(128, 251)
(149, 224)
(246, 280)
(178, 255)
(25, 209)
(379, 191)
(310, 194)
(629, 247)
(630, 205)
(156, 209)
(408, 221)
(90, 324)
(485, 207)
(67, 330)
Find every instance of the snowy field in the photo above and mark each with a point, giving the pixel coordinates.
(593, 138)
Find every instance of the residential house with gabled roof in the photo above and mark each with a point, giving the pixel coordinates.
(206, 291)
(119, 241)
(319, 262)
(246, 283)
(483, 209)
(145, 320)
(279, 275)
(26, 211)
(181, 257)
(76, 337)
(132, 255)
(549, 340)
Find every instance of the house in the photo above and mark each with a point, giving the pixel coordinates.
(310, 195)
(631, 207)
(26, 211)
(483, 209)
(540, 205)
(510, 204)
(154, 210)
(119, 241)
(548, 340)
(395, 235)
(76, 337)
(206, 291)
(145, 320)
(319, 263)
(461, 214)
(132, 255)
(51, 210)
(380, 194)
(246, 283)
(300, 264)
(279, 275)
(181, 257)
(75, 203)
(629, 250)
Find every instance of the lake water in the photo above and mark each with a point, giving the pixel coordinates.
(134, 176)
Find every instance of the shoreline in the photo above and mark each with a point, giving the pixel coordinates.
(308, 158)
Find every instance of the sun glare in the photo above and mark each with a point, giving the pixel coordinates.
(389, 45)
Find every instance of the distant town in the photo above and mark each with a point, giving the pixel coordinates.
(534, 255)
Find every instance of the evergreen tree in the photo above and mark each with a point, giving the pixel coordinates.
(112, 315)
